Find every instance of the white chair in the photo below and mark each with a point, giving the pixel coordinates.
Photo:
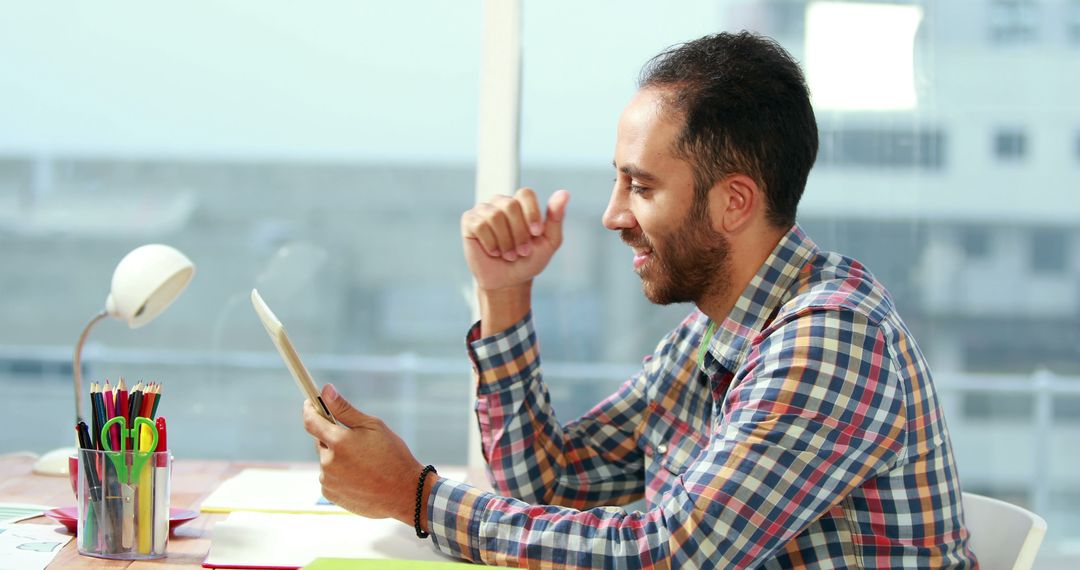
(1003, 536)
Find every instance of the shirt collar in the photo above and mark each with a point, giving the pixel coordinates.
(767, 291)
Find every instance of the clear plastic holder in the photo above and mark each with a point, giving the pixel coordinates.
(123, 499)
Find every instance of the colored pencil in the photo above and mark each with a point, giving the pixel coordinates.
(110, 413)
(122, 399)
(157, 399)
(96, 414)
(134, 408)
(148, 401)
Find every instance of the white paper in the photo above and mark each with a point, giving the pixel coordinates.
(30, 546)
(294, 491)
(271, 491)
(291, 541)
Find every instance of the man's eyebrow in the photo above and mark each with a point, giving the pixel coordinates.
(635, 172)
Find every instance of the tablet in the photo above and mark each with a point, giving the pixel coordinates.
(292, 360)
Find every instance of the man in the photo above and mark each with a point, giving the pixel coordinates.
(789, 421)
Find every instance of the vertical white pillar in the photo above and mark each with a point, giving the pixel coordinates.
(497, 145)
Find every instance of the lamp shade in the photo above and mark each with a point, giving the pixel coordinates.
(146, 281)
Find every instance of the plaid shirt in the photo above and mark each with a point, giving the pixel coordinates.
(809, 436)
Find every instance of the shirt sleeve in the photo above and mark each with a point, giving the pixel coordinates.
(591, 461)
(815, 412)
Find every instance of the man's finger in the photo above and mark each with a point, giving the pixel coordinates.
(474, 227)
(495, 219)
(530, 207)
(341, 409)
(556, 211)
(517, 223)
(318, 427)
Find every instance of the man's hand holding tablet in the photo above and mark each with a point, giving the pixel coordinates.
(366, 468)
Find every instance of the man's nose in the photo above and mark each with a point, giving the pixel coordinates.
(617, 216)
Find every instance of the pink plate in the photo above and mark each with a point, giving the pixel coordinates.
(68, 516)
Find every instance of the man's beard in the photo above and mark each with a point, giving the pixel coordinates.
(687, 266)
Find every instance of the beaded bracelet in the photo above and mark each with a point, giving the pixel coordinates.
(420, 497)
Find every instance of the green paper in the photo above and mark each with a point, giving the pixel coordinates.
(358, 564)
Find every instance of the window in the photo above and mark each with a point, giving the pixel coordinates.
(1049, 251)
(876, 148)
(303, 175)
(1072, 22)
(975, 241)
(1010, 145)
(325, 155)
(911, 202)
(1013, 22)
(1067, 410)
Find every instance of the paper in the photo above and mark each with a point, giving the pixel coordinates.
(13, 512)
(271, 491)
(352, 564)
(30, 546)
(274, 540)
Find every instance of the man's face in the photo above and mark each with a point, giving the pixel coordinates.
(677, 254)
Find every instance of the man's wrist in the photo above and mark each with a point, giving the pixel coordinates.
(429, 484)
(502, 308)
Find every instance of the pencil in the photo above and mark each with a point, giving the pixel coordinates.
(134, 408)
(134, 403)
(157, 399)
(102, 418)
(148, 401)
(110, 412)
(122, 399)
(95, 416)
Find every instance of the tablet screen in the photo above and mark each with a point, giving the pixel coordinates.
(292, 360)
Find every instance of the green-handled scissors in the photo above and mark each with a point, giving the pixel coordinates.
(139, 458)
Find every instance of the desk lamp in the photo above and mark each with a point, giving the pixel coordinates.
(146, 281)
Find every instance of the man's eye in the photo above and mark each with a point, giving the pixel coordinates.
(635, 189)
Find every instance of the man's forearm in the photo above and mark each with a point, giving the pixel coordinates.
(502, 308)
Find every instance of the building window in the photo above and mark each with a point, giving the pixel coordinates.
(1049, 251)
(864, 147)
(1072, 22)
(975, 241)
(1013, 21)
(1010, 144)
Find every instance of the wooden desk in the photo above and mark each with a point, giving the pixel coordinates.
(191, 482)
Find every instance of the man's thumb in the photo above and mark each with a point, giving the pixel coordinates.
(340, 408)
(556, 211)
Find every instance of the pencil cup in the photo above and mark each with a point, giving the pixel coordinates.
(123, 499)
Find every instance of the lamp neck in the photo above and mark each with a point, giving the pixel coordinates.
(76, 364)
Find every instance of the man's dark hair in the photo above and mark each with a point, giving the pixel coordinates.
(747, 110)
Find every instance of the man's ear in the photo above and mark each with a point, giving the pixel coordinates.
(733, 202)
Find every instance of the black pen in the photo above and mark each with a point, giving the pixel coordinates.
(83, 433)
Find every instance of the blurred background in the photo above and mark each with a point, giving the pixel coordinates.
(324, 153)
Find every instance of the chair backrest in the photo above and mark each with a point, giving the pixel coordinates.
(1003, 536)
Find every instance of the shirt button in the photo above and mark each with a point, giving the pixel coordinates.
(661, 449)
